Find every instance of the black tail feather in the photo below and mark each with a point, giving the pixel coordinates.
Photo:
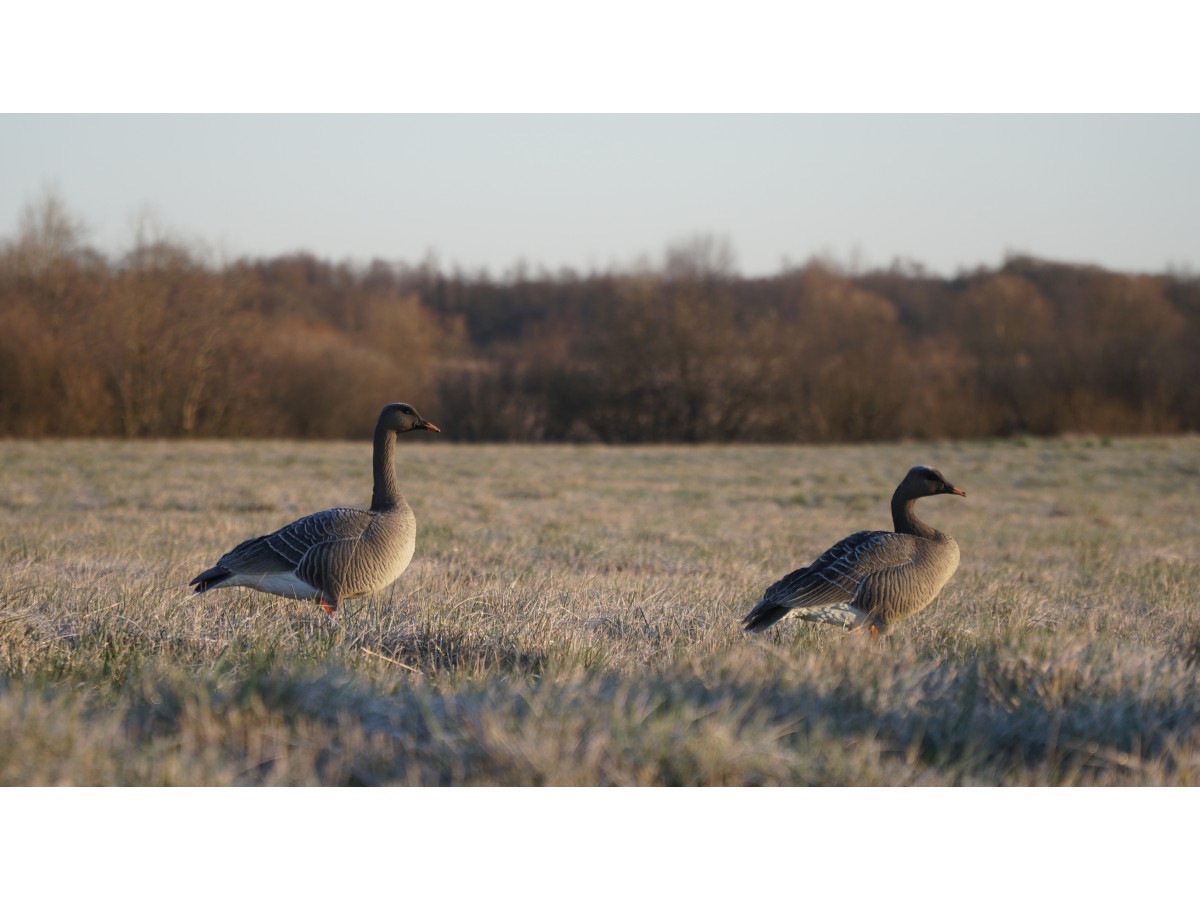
(763, 617)
(210, 578)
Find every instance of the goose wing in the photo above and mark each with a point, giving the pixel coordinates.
(285, 550)
(838, 574)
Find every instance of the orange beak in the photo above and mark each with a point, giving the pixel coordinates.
(429, 426)
(956, 491)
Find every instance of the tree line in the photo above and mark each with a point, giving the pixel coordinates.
(162, 342)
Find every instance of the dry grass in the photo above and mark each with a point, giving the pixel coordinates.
(571, 618)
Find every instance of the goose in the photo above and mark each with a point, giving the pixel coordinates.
(871, 578)
(339, 553)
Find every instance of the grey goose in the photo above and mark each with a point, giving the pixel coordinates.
(871, 578)
(336, 554)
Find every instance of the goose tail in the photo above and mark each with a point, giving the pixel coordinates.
(210, 578)
(764, 616)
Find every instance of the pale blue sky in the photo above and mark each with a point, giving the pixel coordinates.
(592, 191)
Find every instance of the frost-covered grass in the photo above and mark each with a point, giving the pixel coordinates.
(571, 617)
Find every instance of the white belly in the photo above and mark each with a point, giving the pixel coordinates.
(283, 584)
(843, 614)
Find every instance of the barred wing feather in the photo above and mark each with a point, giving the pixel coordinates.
(837, 575)
(283, 550)
(835, 583)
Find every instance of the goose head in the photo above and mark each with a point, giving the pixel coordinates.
(400, 417)
(924, 481)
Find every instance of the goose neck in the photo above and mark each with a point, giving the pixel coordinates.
(387, 490)
(904, 517)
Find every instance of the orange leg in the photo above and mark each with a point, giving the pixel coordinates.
(325, 605)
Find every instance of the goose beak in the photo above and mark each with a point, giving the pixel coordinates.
(951, 489)
(429, 426)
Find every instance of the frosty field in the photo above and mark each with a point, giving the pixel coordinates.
(571, 618)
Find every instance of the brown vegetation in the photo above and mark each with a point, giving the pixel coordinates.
(162, 343)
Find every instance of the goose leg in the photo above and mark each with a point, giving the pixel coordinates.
(870, 629)
(330, 608)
